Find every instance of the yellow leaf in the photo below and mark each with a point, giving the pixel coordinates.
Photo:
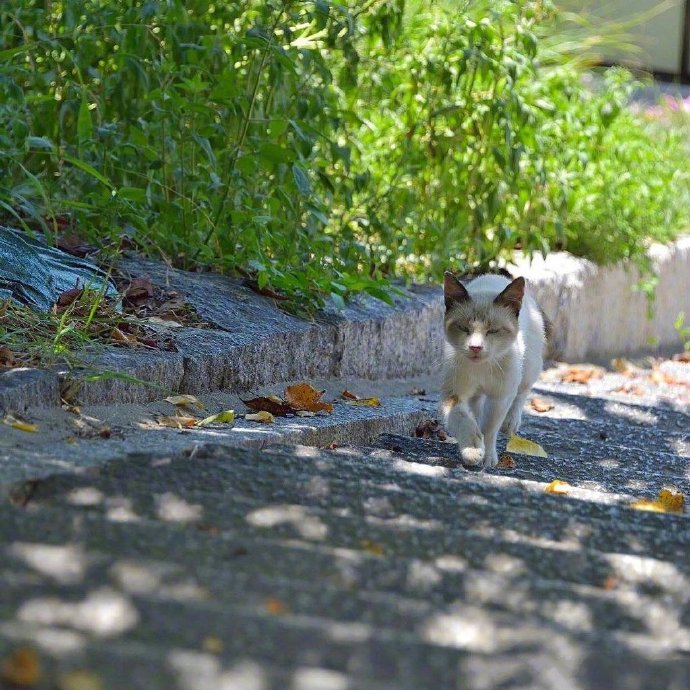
(372, 547)
(558, 487)
(212, 644)
(177, 422)
(18, 424)
(80, 680)
(22, 667)
(517, 444)
(668, 501)
(225, 417)
(184, 400)
(366, 402)
(263, 417)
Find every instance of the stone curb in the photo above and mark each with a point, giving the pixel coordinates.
(595, 311)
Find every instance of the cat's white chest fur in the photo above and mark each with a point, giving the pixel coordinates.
(494, 354)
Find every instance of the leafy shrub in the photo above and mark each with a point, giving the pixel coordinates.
(324, 148)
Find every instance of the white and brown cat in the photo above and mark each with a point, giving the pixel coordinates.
(495, 343)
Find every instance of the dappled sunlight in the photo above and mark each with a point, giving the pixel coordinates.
(65, 564)
(423, 576)
(307, 525)
(471, 629)
(631, 413)
(202, 671)
(319, 679)
(420, 468)
(119, 509)
(58, 641)
(103, 613)
(85, 496)
(172, 508)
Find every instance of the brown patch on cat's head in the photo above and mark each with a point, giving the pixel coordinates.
(512, 296)
(454, 292)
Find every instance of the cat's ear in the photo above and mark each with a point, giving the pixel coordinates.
(512, 296)
(454, 291)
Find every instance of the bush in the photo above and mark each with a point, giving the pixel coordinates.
(324, 149)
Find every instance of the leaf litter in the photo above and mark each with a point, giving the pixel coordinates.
(523, 446)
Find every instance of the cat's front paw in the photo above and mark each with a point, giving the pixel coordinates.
(490, 457)
(511, 424)
(471, 448)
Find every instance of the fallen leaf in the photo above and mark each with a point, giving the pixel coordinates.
(427, 429)
(332, 446)
(118, 336)
(347, 395)
(682, 357)
(558, 487)
(372, 547)
(506, 461)
(668, 501)
(205, 527)
(7, 358)
(22, 667)
(140, 290)
(264, 417)
(19, 424)
(611, 582)
(580, 375)
(79, 680)
(622, 366)
(177, 422)
(69, 297)
(225, 417)
(303, 396)
(212, 644)
(275, 606)
(523, 446)
(184, 401)
(629, 389)
(366, 402)
(75, 245)
(105, 432)
(271, 403)
(672, 499)
(539, 405)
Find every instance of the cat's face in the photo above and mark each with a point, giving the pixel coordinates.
(481, 331)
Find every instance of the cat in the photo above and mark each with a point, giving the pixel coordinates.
(495, 343)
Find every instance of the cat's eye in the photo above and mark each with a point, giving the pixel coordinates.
(463, 329)
(493, 331)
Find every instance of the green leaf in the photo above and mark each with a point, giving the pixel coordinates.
(301, 180)
(84, 123)
(89, 169)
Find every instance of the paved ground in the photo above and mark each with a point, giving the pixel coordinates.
(375, 567)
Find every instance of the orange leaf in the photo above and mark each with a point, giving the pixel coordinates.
(275, 606)
(506, 461)
(22, 667)
(347, 395)
(558, 487)
(302, 396)
(580, 375)
(539, 405)
(177, 422)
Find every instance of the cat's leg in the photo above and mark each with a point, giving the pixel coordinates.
(513, 419)
(462, 424)
(495, 412)
(477, 407)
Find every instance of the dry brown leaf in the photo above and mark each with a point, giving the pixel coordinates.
(177, 422)
(372, 547)
(138, 293)
(558, 487)
(430, 428)
(580, 374)
(212, 644)
(629, 389)
(80, 680)
(682, 357)
(271, 403)
(347, 395)
(7, 358)
(303, 396)
(184, 401)
(366, 402)
(611, 582)
(117, 336)
(263, 416)
(22, 667)
(19, 424)
(506, 461)
(275, 606)
(69, 297)
(539, 405)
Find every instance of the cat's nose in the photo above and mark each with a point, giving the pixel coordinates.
(476, 348)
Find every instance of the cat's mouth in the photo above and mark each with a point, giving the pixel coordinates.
(475, 356)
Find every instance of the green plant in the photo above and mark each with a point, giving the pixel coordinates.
(326, 149)
(683, 331)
